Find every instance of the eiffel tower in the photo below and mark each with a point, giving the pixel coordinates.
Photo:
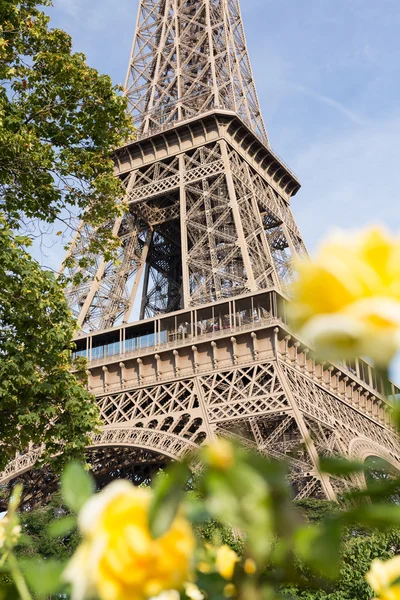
(206, 254)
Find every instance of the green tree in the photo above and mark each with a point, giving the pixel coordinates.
(360, 546)
(359, 549)
(41, 401)
(43, 543)
(59, 122)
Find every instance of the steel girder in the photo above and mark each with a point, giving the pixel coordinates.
(202, 226)
(190, 57)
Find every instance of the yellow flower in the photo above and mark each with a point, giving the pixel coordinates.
(230, 591)
(226, 560)
(347, 302)
(118, 559)
(383, 578)
(204, 567)
(250, 567)
(219, 454)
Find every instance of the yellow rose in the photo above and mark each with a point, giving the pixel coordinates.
(118, 558)
(347, 302)
(383, 578)
(219, 454)
(225, 562)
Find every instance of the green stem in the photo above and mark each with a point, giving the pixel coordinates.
(4, 560)
(18, 578)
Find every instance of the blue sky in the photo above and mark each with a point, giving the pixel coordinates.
(327, 74)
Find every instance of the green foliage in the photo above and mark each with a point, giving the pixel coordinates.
(358, 551)
(315, 511)
(218, 534)
(170, 489)
(360, 546)
(59, 121)
(50, 546)
(38, 525)
(42, 555)
(41, 401)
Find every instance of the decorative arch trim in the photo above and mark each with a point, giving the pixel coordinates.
(168, 444)
(361, 448)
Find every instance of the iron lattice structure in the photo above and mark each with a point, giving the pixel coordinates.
(189, 58)
(206, 252)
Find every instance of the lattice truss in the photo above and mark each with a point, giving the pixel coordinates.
(265, 405)
(202, 226)
(270, 407)
(189, 57)
(107, 463)
(284, 414)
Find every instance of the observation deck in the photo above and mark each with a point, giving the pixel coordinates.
(225, 332)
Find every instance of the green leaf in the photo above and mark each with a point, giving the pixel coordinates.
(62, 527)
(376, 490)
(340, 466)
(382, 516)
(168, 492)
(44, 577)
(221, 500)
(319, 546)
(196, 511)
(77, 486)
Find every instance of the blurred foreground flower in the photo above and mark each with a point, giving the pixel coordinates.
(10, 532)
(219, 454)
(118, 558)
(347, 302)
(384, 578)
(226, 561)
(10, 528)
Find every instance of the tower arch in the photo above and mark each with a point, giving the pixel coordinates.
(133, 453)
(363, 448)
